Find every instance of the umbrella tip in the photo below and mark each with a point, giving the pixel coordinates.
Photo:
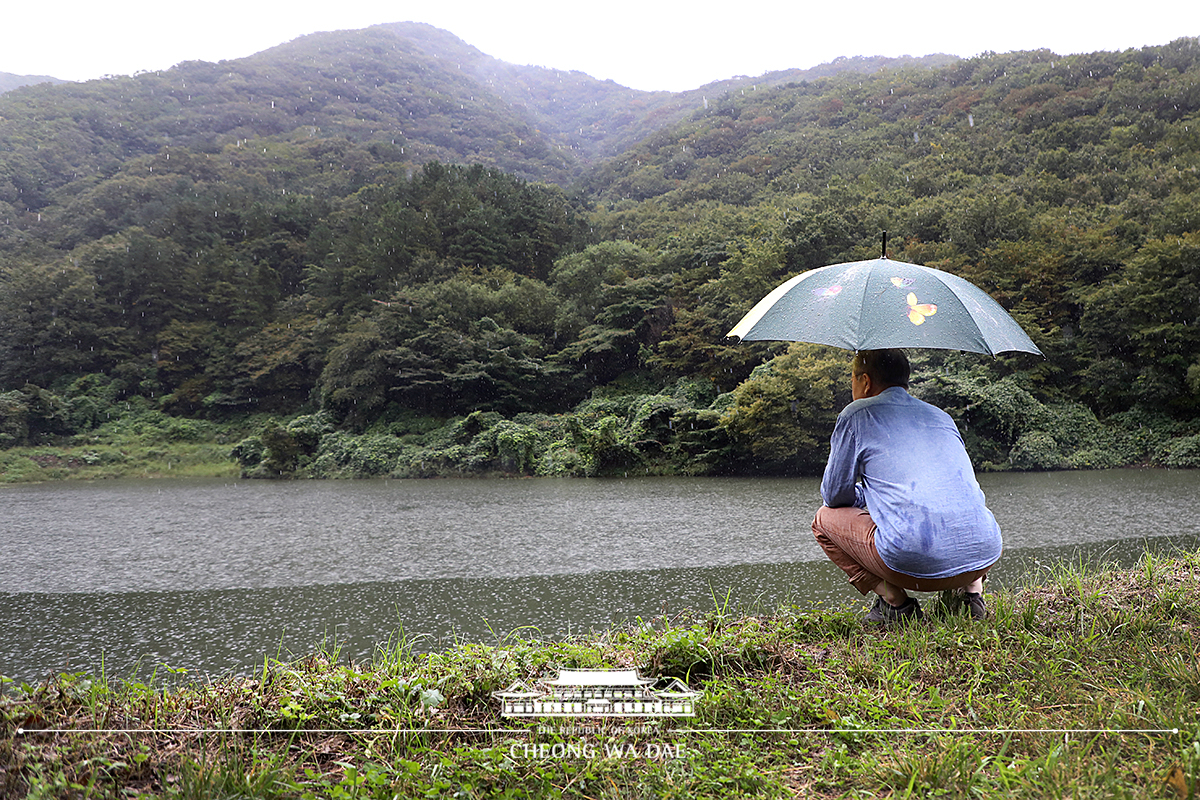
(883, 253)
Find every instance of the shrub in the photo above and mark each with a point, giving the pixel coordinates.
(1183, 453)
(1095, 458)
(784, 414)
(368, 455)
(517, 447)
(14, 419)
(333, 454)
(31, 414)
(998, 410)
(1072, 425)
(1036, 450)
(701, 445)
(694, 392)
(85, 413)
(375, 454)
(561, 459)
(307, 430)
(653, 423)
(281, 453)
(604, 447)
(248, 452)
(1144, 436)
(179, 429)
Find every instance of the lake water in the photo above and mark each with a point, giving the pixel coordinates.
(212, 576)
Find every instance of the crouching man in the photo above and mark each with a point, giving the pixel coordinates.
(902, 509)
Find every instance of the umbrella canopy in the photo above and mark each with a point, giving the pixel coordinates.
(878, 304)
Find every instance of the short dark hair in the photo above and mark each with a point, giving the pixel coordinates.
(886, 367)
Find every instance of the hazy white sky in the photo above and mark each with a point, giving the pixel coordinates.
(651, 44)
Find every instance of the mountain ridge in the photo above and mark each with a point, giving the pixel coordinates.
(537, 122)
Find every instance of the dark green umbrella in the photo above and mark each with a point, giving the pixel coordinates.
(877, 304)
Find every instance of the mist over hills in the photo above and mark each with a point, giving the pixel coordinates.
(600, 118)
(9, 81)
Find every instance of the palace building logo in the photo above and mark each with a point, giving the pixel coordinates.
(598, 693)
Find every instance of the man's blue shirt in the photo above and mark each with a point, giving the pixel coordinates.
(917, 482)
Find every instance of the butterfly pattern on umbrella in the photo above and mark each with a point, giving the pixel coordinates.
(917, 312)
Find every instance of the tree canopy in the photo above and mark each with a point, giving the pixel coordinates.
(345, 226)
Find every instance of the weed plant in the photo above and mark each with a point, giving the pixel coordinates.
(1083, 684)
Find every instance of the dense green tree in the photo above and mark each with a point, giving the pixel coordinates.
(394, 355)
(1146, 319)
(579, 278)
(633, 313)
(783, 415)
(277, 367)
(52, 323)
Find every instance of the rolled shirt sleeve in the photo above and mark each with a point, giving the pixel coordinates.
(839, 485)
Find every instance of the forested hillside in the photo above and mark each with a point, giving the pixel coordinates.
(382, 252)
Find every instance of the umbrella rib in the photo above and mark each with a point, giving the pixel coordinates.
(760, 309)
(858, 308)
(968, 302)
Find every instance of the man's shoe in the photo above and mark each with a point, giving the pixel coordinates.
(956, 602)
(975, 605)
(884, 613)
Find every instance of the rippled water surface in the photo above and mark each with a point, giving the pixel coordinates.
(212, 576)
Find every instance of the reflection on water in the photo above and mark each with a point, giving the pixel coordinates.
(213, 577)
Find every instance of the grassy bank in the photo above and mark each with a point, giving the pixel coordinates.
(100, 462)
(1086, 684)
(137, 441)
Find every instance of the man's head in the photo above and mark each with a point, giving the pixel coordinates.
(876, 370)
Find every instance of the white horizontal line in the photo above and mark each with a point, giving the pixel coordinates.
(794, 731)
(926, 731)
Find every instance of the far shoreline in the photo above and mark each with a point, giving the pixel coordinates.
(50, 464)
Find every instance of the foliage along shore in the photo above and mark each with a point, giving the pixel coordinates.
(1083, 684)
(92, 432)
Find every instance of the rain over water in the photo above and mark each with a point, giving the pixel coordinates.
(213, 576)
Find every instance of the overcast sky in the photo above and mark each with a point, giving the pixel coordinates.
(649, 44)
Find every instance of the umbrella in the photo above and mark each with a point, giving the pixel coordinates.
(878, 304)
